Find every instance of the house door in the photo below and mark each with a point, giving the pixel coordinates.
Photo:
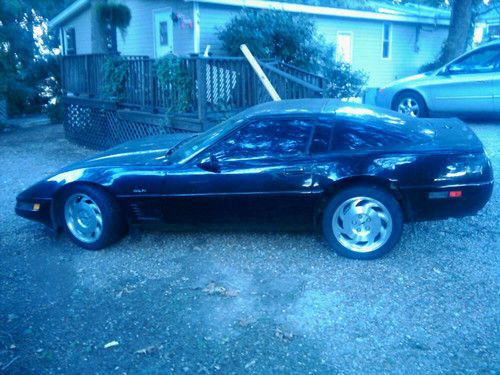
(163, 33)
(344, 47)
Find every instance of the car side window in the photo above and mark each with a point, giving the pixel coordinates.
(352, 134)
(322, 139)
(484, 61)
(266, 138)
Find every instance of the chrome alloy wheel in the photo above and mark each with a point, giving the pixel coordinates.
(409, 106)
(362, 224)
(83, 218)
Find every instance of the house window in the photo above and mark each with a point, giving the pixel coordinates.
(344, 47)
(386, 42)
(164, 33)
(70, 41)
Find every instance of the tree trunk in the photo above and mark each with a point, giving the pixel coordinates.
(460, 23)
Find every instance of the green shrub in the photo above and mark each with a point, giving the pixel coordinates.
(430, 66)
(115, 76)
(174, 76)
(55, 111)
(341, 80)
(291, 38)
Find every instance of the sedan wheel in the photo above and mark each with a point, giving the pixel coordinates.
(409, 106)
(362, 222)
(91, 216)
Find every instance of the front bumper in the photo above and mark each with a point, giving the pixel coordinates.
(383, 98)
(35, 209)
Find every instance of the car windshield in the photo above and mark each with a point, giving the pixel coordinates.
(194, 145)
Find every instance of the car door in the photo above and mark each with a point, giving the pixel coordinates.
(260, 171)
(496, 87)
(466, 85)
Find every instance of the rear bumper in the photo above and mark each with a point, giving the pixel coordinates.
(35, 209)
(434, 203)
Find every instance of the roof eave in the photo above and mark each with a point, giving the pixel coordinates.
(68, 12)
(328, 11)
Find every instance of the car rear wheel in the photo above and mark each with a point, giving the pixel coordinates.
(411, 104)
(363, 222)
(91, 217)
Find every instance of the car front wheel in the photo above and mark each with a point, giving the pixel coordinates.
(362, 222)
(91, 217)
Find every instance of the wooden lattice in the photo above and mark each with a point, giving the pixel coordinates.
(221, 82)
(97, 126)
(3, 110)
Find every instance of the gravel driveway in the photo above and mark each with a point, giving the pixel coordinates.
(237, 302)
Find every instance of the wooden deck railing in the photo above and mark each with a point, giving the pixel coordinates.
(220, 84)
(313, 79)
(83, 74)
(289, 86)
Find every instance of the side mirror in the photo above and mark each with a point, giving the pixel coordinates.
(445, 71)
(210, 164)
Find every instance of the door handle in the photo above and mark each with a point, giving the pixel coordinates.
(291, 171)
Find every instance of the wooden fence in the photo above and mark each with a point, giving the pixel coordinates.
(219, 84)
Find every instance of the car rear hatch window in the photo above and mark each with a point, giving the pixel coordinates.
(453, 134)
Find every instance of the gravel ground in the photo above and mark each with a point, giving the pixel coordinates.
(240, 302)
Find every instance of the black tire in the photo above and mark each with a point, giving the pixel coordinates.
(415, 97)
(389, 208)
(113, 225)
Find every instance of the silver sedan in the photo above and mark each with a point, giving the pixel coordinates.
(466, 86)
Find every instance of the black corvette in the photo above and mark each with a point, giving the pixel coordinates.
(358, 172)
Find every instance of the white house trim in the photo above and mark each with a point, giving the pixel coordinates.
(196, 27)
(61, 41)
(327, 11)
(69, 12)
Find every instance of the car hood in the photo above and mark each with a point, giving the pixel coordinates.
(145, 151)
(412, 81)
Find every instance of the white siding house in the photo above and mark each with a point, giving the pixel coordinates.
(387, 44)
(80, 25)
(141, 34)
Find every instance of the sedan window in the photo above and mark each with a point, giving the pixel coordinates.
(483, 61)
(266, 138)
